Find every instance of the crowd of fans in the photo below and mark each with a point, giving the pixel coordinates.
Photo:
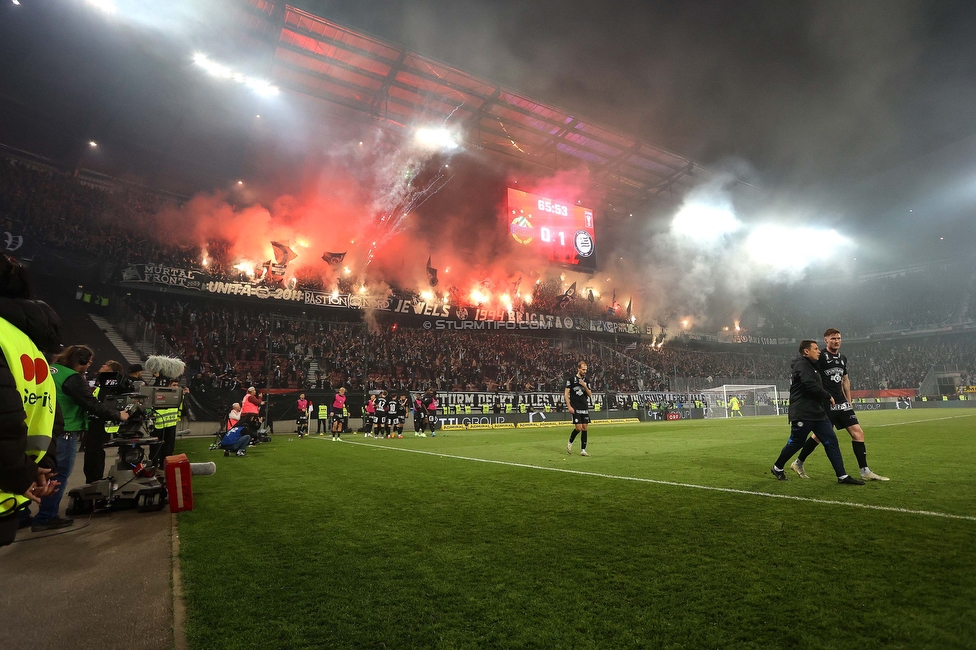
(930, 297)
(229, 347)
(114, 222)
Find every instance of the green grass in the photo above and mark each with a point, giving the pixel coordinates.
(310, 543)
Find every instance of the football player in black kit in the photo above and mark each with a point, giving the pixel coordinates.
(400, 405)
(419, 417)
(382, 426)
(430, 413)
(577, 396)
(833, 370)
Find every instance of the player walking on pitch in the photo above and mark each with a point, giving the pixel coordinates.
(833, 369)
(808, 415)
(577, 396)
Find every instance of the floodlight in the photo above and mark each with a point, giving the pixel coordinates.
(435, 138)
(704, 223)
(786, 248)
(221, 71)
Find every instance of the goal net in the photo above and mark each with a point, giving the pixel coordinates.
(735, 400)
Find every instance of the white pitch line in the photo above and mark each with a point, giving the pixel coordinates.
(927, 513)
(948, 417)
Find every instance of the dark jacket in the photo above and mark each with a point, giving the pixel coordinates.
(76, 388)
(42, 325)
(808, 399)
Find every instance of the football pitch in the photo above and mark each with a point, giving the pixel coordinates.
(670, 535)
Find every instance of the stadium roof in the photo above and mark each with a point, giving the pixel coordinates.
(384, 81)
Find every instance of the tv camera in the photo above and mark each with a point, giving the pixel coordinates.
(132, 481)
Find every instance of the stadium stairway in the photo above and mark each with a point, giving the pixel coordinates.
(79, 326)
(131, 356)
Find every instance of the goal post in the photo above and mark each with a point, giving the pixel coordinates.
(742, 400)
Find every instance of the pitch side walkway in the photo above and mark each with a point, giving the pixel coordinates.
(103, 586)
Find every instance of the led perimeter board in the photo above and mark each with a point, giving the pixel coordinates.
(561, 231)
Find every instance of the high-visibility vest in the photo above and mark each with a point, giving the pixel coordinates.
(508, 408)
(596, 407)
(323, 412)
(167, 417)
(75, 417)
(547, 408)
(485, 408)
(467, 409)
(522, 407)
(924, 398)
(345, 412)
(634, 405)
(35, 384)
(945, 398)
(112, 427)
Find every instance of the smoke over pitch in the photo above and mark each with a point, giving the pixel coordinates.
(722, 247)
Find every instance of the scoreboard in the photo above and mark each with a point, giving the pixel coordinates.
(560, 231)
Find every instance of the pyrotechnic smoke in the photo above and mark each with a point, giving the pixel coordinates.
(724, 244)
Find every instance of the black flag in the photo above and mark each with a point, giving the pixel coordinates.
(567, 297)
(333, 258)
(283, 253)
(629, 304)
(431, 273)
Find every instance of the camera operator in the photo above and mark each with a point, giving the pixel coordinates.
(106, 388)
(76, 402)
(133, 374)
(170, 419)
(28, 331)
(166, 372)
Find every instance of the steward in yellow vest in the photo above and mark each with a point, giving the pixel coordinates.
(28, 330)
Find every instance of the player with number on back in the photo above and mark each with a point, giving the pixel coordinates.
(577, 396)
(833, 370)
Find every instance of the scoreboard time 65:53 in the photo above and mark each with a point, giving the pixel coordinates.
(561, 231)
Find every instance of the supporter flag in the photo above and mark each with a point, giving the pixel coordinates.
(487, 284)
(283, 254)
(630, 303)
(431, 273)
(516, 285)
(333, 258)
(631, 347)
(567, 297)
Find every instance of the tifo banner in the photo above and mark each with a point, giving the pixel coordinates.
(644, 399)
(14, 243)
(434, 316)
(166, 275)
(742, 337)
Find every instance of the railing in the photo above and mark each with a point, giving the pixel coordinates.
(139, 332)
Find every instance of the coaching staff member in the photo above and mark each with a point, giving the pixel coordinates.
(808, 414)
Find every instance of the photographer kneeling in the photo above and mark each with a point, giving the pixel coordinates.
(235, 441)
